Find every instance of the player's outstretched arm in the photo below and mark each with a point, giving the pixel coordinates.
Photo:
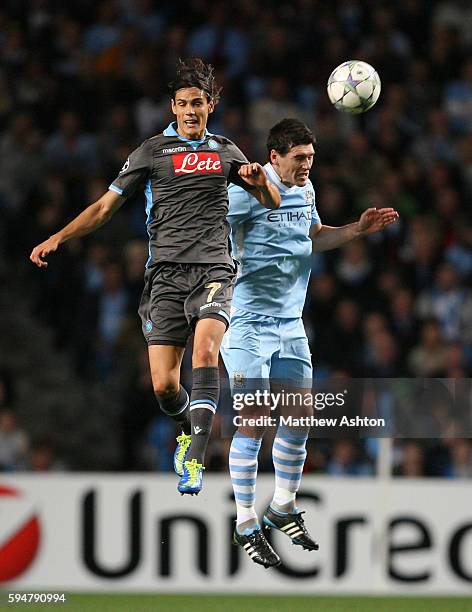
(267, 193)
(89, 220)
(372, 220)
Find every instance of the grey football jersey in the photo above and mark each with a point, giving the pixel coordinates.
(186, 197)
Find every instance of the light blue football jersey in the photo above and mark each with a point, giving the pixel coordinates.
(273, 247)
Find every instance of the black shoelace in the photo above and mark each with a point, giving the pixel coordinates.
(257, 540)
(300, 522)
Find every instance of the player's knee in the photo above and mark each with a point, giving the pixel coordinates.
(309, 411)
(165, 388)
(304, 407)
(256, 433)
(205, 356)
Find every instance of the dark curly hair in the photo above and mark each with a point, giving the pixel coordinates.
(193, 72)
(289, 133)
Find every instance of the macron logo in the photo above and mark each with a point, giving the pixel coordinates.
(196, 163)
(174, 150)
(197, 430)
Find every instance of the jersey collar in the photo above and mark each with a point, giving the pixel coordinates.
(171, 130)
(274, 177)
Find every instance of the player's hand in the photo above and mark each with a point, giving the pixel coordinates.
(253, 174)
(376, 219)
(42, 250)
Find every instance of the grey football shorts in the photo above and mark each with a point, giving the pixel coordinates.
(176, 296)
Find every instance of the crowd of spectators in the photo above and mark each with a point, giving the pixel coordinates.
(82, 83)
(17, 450)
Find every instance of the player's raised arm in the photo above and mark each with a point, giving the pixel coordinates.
(131, 176)
(372, 220)
(267, 193)
(87, 221)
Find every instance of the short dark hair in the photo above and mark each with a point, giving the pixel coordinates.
(193, 72)
(289, 133)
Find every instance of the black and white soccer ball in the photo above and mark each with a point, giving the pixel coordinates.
(354, 87)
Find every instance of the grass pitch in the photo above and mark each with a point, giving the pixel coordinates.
(248, 603)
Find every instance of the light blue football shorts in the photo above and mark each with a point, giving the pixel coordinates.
(257, 348)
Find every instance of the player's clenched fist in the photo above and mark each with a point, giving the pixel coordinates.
(267, 194)
(253, 174)
(42, 250)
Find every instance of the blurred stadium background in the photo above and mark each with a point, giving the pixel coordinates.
(82, 83)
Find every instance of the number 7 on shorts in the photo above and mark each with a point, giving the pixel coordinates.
(213, 287)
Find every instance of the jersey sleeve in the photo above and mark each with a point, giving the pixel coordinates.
(240, 204)
(135, 171)
(237, 159)
(315, 217)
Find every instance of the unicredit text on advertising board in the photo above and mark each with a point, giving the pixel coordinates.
(132, 533)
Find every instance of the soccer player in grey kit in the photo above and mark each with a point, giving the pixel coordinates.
(189, 276)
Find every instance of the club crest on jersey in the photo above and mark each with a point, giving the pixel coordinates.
(196, 163)
(212, 144)
(309, 196)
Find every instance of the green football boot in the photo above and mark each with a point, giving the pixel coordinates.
(180, 454)
(191, 481)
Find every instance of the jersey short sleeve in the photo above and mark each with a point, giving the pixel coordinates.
(135, 171)
(315, 217)
(237, 159)
(240, 204)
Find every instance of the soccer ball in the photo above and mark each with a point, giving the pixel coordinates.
(354, 87)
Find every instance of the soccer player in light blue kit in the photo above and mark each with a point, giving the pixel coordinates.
(266, 341)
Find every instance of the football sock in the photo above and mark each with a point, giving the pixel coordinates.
(243, 469)
(288, 455)
(203, 403)
(176, 406)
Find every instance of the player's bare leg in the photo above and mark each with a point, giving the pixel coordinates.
(209, 333)
(165, 361)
